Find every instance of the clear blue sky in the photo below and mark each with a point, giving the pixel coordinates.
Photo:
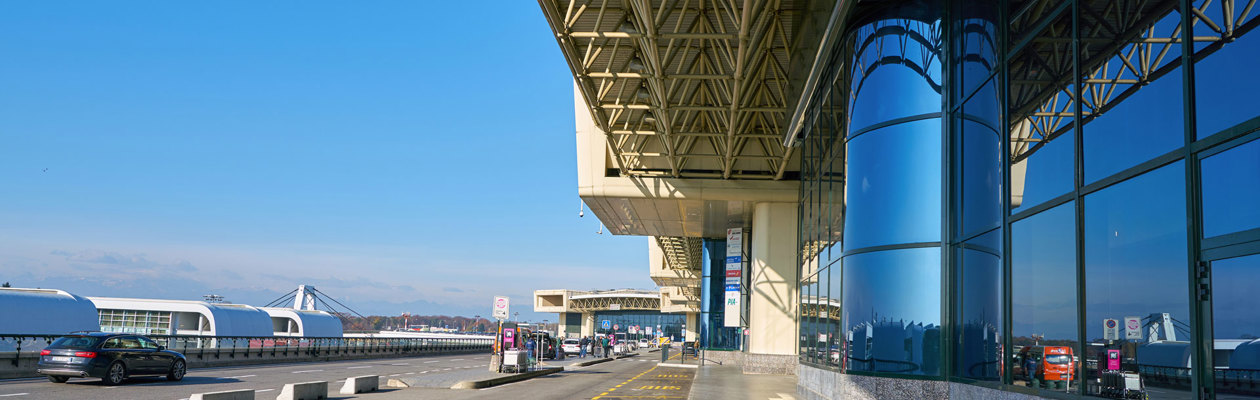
(401, 155)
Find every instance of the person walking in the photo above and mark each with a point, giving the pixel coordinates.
(603, 342)
(582, 347)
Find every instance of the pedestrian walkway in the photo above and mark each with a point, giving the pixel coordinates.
(727, 382)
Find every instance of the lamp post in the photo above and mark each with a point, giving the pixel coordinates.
(476, 321)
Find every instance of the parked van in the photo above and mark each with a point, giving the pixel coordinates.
(1051, 366)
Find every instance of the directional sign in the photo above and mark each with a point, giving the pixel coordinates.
(1132, 328)
(734, 276)
(500, 310)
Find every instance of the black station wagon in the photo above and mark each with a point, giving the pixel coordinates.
(113, 357)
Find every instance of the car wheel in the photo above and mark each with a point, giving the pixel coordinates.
(58, 379)
(115, 375)
(177, 371)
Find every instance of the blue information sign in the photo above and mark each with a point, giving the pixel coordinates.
(605, 324)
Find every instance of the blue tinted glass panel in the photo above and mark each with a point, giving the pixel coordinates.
(978, 327)
(981, 178)
(1231, 190)
(883, 90)
(1141, 127)
(1235, 317)
(1043, 287)
(832, 315)
(1044, 175)
(893, 311)
(1226, 86)
(894, 186)
(1136, 266)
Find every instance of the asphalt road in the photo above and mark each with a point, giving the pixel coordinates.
(631, 378)
(267, 380)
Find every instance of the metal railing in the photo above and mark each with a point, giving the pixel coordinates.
(216, 347)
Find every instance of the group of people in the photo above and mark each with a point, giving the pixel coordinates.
(596, 346)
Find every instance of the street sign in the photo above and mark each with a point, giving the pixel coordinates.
(1111, 329)
(616, 327)
(614, 307)
(1132, 328)
(500, 311)
(649, 331)
(605, 324)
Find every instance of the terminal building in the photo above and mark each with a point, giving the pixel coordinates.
(633, 312)
(937, 199)
(56, 312)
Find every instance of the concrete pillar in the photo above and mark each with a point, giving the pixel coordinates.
(588, 324)
(773, 297)
(692, 332)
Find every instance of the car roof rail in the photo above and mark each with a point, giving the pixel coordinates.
(84, 331)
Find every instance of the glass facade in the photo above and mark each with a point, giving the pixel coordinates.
(670, 325)
(133, 321)
(1036, 196)
(713, 332)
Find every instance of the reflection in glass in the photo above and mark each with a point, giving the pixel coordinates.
(1231, 189)
(1043, 289)
(981, 161)
(1142, 127)
(1135, 266)
(1044, 175)
(978, 323)
(1225, 85)
(1236, 325)
(894, 186)
(896, 72)
(892, 311)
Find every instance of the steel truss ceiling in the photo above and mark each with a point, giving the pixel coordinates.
(1148, 48)
(683, 88)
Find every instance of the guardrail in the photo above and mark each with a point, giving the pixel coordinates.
(22, 351)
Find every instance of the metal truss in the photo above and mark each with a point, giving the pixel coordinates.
(681, 253)
(683, 88)
(602, 303)
(1124, 45)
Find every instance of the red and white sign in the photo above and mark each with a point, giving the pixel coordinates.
(500, 310)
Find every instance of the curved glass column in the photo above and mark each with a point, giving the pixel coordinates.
(898, 158)
(892, 267)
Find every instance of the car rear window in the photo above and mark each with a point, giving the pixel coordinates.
(1058, 359)
(75, 342)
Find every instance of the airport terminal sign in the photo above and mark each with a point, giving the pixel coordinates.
(500, 311)
(734, 276)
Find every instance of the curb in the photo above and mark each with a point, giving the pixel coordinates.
(485, 383)
(677, 365)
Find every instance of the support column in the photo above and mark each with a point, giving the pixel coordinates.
(772, 291)
(692, 332)
(588, 324)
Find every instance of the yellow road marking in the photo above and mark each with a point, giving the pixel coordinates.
(623, 383)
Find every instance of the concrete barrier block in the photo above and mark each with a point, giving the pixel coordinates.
(361, 384)
(243, 394)
(304, 391)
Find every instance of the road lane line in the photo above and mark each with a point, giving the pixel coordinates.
(411, 373)
(361, 366)
(458, 359)
(238, 377)
(427, 362)
(401, 364)
(309, 370)
(13, 394)
(263, 390)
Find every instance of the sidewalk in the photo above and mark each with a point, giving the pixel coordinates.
(726, 382)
